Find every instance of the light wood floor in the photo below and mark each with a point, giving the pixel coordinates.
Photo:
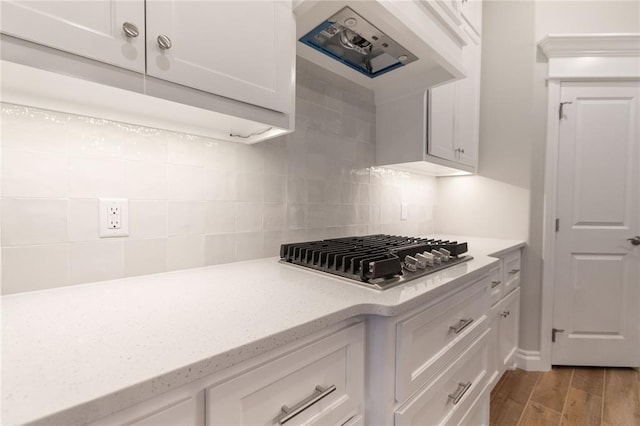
(568, 396)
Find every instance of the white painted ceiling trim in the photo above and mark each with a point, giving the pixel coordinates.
(592, 56)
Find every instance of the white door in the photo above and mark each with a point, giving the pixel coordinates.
(243, 50)
(93, 28)
(597, 282)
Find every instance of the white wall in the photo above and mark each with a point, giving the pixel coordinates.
(475, 205)
(513, 128)
(194, 201)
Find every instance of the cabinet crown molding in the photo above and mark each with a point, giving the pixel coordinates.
(613, 44)
(592, 56)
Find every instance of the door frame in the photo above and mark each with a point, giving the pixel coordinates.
(612, 57)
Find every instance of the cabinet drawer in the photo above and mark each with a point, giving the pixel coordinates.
(511, 271)
(183, 406)
(452, 393)
(322, 383)
(497, 285)
(356, 420)
(429, 340)
(478, 414)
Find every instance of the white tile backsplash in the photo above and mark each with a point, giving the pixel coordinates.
(194, 201)
(34, 174)
(83, 222)
(96, 261)
(145, 257)
(91, 177)
(31, 268)
(186, 218)
(148, 219)
(145, 180)
(185, 182)
(220, 217)
(27, 221)
(185, 252)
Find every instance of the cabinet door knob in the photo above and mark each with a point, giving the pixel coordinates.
(130, 30)
(164, 42)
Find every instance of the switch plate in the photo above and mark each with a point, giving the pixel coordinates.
(404, 211)
(114, 217)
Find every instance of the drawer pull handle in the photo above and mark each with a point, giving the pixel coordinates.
(495, 284)
(461, 325)
(459, 393)
(514, 271)
(289, 413)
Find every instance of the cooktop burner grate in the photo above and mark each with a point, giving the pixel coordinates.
(379, 261)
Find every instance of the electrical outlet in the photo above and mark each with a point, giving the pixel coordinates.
(404, 211)
(114, 217)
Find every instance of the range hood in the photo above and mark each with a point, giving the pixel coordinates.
(391, 47)
(354, 41)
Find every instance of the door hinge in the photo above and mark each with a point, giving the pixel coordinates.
(561, 109)
(557, 224)
(553, 333)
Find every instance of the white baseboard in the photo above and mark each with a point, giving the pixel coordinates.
(529, 360)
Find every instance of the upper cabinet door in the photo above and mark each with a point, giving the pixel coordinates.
(442, 121)
(94, 29)
(244, 50)
(468, 105)
(472, 13)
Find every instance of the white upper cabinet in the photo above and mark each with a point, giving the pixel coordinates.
(238, 49)
(436, 132)
(110, 31)
(227, 67)
(472, 13)
(441, 121)
(454, 112)
(468, 106)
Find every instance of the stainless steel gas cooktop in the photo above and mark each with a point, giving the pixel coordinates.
(376, 261)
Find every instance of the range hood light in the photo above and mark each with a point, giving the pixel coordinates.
(349, 38)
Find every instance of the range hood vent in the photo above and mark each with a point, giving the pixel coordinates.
(349, 38)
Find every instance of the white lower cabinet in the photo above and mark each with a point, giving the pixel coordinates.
(428, 341)
(449, 396)
(504, 318)
(478, 414)
(183, 406)
(433, 365)
(314, 382)
(508, 312)
(322, 383)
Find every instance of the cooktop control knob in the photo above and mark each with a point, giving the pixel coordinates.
(446, 254)
(422, 261)
(410, 263)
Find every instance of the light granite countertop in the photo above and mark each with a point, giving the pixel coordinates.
(74, 354)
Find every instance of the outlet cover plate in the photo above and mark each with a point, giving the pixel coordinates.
(104, 206)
